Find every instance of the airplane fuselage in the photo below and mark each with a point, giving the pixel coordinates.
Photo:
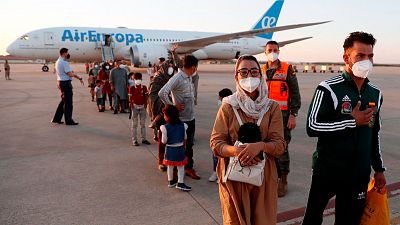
(84, 43)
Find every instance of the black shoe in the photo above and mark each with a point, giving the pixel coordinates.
(183, 187)
(72, 123)
(146, 142)
(172, 183)
(135, 143)
(57, 122)
(115, 112)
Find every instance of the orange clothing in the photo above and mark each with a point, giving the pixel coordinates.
(242, 203)
(278, 88)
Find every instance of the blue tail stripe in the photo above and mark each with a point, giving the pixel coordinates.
(269, 19)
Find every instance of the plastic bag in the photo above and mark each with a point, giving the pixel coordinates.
(376, 211)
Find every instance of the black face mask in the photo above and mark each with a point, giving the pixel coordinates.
(68, 56)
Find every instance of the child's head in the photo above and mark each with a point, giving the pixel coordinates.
(224, 93)
(137, 76)
(171, 114)
(98, 83)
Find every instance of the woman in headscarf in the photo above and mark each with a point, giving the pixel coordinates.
(243, 203)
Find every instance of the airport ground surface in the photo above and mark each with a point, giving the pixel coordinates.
(91, 174)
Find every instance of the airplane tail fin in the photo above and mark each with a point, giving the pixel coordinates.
(269, 19)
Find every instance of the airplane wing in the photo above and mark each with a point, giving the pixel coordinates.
(192, 45)
(283, 43)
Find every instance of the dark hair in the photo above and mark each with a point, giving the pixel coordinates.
(137, 76)
(190, 61)
(172, 113)
(358, 36)
(162, 59)
(249, 133)
(225, 92)
(98, 81)
(63, 50)
(272, 43)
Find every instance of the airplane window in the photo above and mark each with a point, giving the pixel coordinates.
(24, 37)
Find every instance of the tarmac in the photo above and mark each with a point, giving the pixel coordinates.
(91, 173)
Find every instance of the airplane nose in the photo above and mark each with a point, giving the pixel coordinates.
(10, 49)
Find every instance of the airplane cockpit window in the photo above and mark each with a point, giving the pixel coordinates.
(24, 37)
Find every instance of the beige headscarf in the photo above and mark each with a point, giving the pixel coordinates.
(240, 99)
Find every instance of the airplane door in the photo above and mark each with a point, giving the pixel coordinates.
(245, 44)
(48, 38)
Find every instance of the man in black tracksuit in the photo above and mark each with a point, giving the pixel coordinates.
(344, 115)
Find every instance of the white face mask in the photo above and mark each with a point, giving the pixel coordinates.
(96, 66)
(122, 66)
(107, 67)
(249, 84)
(138, 82)
(170, 70)
(131, 82)
(219, 102)
(361, 69)
(272, 56)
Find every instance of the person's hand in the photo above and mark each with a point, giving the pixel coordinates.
(291, 122)
(239, 149)
(195, 101)
(180, 107)
(362, 117)
(380, 180)
(82, 82)
(174, 47)
(248, 157)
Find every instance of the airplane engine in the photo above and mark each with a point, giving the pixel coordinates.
(141, 55)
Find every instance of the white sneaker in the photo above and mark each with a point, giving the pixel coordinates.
(213, 177)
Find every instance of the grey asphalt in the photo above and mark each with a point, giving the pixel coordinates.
(91, 174)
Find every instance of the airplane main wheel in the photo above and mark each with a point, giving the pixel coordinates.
(45, 69)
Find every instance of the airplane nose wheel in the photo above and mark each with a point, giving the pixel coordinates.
(45, 68)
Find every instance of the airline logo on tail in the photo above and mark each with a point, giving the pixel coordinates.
(269, 19)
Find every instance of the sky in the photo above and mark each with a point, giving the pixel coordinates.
(381, 18)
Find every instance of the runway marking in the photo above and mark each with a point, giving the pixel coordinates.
(295, 216)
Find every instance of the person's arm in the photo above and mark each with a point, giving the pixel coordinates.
(146, 96)
(186, 127)
(195, 80)
(376, 159)
(71, 73)
(166, 90)
(294, 98)
(220, 134)
(321, 119)
(294, 92)
(177, 61)
(164, 137)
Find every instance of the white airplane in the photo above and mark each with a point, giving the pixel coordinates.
(146, 46)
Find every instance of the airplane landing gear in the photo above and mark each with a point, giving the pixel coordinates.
(45, 68)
